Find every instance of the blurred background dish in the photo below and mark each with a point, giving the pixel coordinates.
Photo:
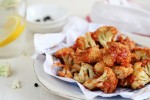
(45, 18)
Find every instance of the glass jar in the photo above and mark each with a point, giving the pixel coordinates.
(12, 27)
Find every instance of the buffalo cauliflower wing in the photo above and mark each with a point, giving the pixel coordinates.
(84, 42)
(107, 82)
(104, 35)
(89, 55)
(99, 68)
(122, 71)
(139, 78)
(86, 72)
(67, 54)
(65, 72)
(81, 43)
(141, 53)
(126, 41)
(117, 53)
(146, 66)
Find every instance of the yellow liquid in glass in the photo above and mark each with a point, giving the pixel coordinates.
(11, 30)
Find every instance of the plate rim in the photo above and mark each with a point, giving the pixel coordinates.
(52, 91)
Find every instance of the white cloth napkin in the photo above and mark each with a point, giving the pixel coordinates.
(125, 15)
(50, 43)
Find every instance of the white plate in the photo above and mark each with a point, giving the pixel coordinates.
(60, 87)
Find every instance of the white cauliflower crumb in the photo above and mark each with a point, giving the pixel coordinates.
(5, 69)
(16, 84)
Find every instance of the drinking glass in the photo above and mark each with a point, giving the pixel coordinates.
(12, 27)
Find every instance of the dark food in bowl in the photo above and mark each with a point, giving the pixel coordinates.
(46, 18)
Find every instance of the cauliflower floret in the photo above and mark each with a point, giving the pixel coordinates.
(139, 78)
(99, 68)
(122, 71)
(67, 54)
(106, 82)
(105, 34)
(126, 41)
(146, 66)
(117, 53)
(16, 84)
(65, 72)
(81, 43)
(90, 40)
(75, 68)
(125, 82)
(86, 72)
(89, 55)
(84, 42)
(141, 53)
(5, 69)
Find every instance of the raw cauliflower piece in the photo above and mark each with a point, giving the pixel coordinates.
(5, 69)
(16, 84)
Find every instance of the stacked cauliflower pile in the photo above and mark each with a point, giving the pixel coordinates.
(102, 60)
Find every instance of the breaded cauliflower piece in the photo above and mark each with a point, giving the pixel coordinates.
(65, 72)
(125, 82)
(67, 54)
(84, 42)
(99, 68)
(106, 82)
(146, 66)
(89, 55)
(75, 68)
(126, 41)
(86, 72)
(81, 43)
(117, 53)
(89, 39)
(122, 71)
(104, 35)
(139, 78)
(141, 53)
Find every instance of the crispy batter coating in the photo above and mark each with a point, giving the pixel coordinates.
(126, 82)
(75, 68)
(105, 34)
(117, 53)
(99, 68)
(107, 82)
(126, 41)
(89, 55)
(90, 40)
(146, 66)
(65, 72)
(67, 54)
(139, 77)
(141, 53)
(84, 42)
(81, 43)
(122, 71)
(86, 72)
